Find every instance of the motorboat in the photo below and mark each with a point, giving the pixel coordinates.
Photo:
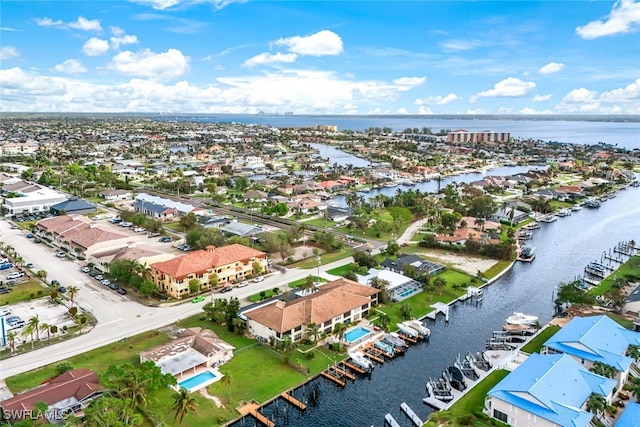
(408, 331)
(418, 326)
(527, 254)
(359, 359)
(522, 319)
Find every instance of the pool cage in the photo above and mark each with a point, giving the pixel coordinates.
(405, 290)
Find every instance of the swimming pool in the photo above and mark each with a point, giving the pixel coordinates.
(198, 381)
(356, 333)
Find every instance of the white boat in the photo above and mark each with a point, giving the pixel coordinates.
(359, 359)
(418, 326)
(521, 319)
(549, 218)
(407, 330)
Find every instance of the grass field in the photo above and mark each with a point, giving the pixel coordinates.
(536, 343)
(343, 269)
(497, 269)
(24, 292)
(631, 268)
(300, 282)
(325, 258)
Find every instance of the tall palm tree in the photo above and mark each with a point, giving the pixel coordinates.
(11, 340)
(45, 327)
(596, 404)
(73, 291)
(603, 369)
(338, 330)
(312, 331)
(183, 403)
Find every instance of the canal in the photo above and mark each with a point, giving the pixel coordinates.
(563, 247)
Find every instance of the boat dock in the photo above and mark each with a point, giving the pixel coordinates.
(343, 373)
(354, 368)
(335, 379)
(295, 402)
(378, 351)
(406, 337)
(262, 419)
(412, 415)
(388, 419)
(367, 351)
(440, 307)
(435, 403)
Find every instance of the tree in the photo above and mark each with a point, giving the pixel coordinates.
(194, 286)
(382, 285)
(32, 327)
(312, 332)
(147, 288)
(603, 369)
(226, 380)
(62, 367)
(45, 327)
(73, 291)
(183, 403)
(11, 340)
(405, 311)
(634, 352)
(338, 330)
(596, 404)
(439, 283)
(111, 411)
(188, 221)
(135, 383)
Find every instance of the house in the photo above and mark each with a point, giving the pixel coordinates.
(73, 206)
(420, 265)
(154, 210)
(115, 195)
(399, 287)
(461, 235)
(235, 228)
(65, 394)
(306, 205)
(194, 349)
(547, 391)
(80, 235)
(595, 339)
(227, 264)
(630, 416)
(510, 215)
(179, 207)
(340, 301)
(337, 214)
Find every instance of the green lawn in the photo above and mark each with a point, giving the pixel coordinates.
(343, 269)
(320, 222)
(267, 294)
(467, 410)
(24, 292)
(536, 343)
(325, 258)
(98, 360)
(175, 226)
(497, 269)
(629, 268)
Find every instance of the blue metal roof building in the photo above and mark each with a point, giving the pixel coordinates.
(596, 339)
(630, 417)
(552, 387)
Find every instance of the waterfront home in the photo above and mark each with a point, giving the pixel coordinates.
(420, 265)
(194, 349)
(65, 394)
(595, 339)
(340, 301)
(229, 264)
(508, 215)
(547, 391)
(461, 235)
(306, 205)
(399, 288)
(337, 214)
(115, 195)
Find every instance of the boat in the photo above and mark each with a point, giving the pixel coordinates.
(439, 389)
(384, 347)
(467, 369)
(576, 208)
(549, 218)
(533, 226)
(359, 359)
(527, 254)
(407, 330)
(455, 378)
(398, 344)
(592, 204)
(522, 319)
(418, 326)
(480, 361)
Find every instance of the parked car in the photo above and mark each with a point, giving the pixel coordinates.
(112, 286)
(106, 282)
(29, 236)
(226, 289)
(85, 269)
(121, 291)
(37, 240)
(6, 266)
(60, 254)
(258, 279)
(165, 239)
(5, 311)
(16, 275)
(54, 282)
(5, 291)
(139, 229)
(197, 299)
(92, 274)
(99, 277)
(62, 289)
(30, 265)
(243, 284)
(150, 235)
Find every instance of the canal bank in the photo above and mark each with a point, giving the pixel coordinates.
(564, 247)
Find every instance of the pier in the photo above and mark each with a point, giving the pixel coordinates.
(295, 402)
(412, 415)
(367, 352)
(354, 368)
(440, 307)
(336, 380)
(262, 419)
(391, 421)
(343, 373)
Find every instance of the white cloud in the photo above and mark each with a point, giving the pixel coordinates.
(624, 100)
(321, 43)
(476, 111)
(511, 87)
(70, 66)
(117, 31)
(410, 81)
(81, 23)
(85, 24)
(122, 40)
(402, 110)
(551, 67)
(540, 98)
(528, 110)
(268, 58)
(167, 4)
(630, 92)
(580, 95)
(424, 110)
(460, 44)
(145, 63)
(9, 52)
(437, 100)
(8, 29)
(623, 18)
(95, 46)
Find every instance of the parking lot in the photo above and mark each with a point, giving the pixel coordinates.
(48, 312)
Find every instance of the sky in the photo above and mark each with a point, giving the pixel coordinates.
(321, 57)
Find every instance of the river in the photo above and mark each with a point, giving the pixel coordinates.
(563, 247)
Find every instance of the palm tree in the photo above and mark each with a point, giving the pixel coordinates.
(183, 403)
(30, 328)
(596, 404)
(439, 283)
(73, 291)
(384, 320)
(603, 369)
(312, 331)
(226, 380)
(634, 352)
(11, 340)
(45, 327)
(338, 330)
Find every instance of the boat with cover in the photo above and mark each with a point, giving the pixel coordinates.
(527, 254)
(522, 319)
(407, 330)
(359, 359)
(393, 339)
(418, 326)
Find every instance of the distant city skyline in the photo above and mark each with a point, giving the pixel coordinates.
(315, 57)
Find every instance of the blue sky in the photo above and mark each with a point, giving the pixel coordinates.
(315, 57)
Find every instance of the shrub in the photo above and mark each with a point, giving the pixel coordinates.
(310, 355)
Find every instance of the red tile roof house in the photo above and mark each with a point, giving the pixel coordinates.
(232, 263)
(340, 301)
(80, 235)
(68, 393)
(461, 235)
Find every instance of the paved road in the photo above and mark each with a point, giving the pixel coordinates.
(118, 316)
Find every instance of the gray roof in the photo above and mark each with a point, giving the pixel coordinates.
(180, 362)
(240, 229)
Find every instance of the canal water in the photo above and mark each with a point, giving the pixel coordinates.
(563, 247)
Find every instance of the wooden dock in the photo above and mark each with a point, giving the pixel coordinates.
(336, 380)
(263, 420)
(354, 368)
(383, 353)
(344, 373)
(295, 402)
(407, 338)
(373, 357)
